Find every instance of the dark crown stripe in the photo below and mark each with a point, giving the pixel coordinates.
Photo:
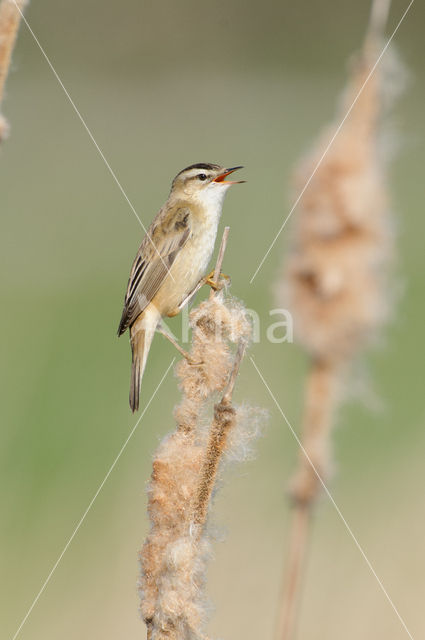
(201, 165)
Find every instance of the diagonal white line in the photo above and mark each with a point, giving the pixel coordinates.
(347, 526)
(330, 142)
(83, 122)
(46, 582)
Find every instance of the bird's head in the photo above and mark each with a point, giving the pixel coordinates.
(203, 182)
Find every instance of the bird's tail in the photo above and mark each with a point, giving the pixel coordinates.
(141, 336)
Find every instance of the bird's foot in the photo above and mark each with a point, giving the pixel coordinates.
(223, 281)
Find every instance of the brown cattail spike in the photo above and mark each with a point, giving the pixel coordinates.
(335, 280)
(185, 469)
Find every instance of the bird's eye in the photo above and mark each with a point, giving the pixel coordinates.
(202, 176)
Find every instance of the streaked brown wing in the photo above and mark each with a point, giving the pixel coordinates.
(152, 264)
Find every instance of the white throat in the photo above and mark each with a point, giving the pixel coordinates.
(211, 198)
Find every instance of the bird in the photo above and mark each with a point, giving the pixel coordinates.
(172, 259)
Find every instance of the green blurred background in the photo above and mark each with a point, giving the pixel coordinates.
(162, 85)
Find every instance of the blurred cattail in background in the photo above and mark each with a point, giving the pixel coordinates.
(335, 281)
(10, 17)
(185, 468)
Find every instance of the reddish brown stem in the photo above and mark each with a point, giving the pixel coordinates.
(224, 418)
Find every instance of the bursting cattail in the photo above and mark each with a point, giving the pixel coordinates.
(185, 467)
(10, 16)
(335, 282)
(336, 277)
(337, 270)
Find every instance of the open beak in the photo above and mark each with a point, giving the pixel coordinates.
(222, 177)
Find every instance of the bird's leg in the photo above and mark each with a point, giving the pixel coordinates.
(174, 342)
(222, 281)
(184, 353)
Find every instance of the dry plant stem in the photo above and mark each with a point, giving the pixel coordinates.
(321, 399)
(220, 258)
(224, 418)
(10, 17)
(294, 570)
(379, 12)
